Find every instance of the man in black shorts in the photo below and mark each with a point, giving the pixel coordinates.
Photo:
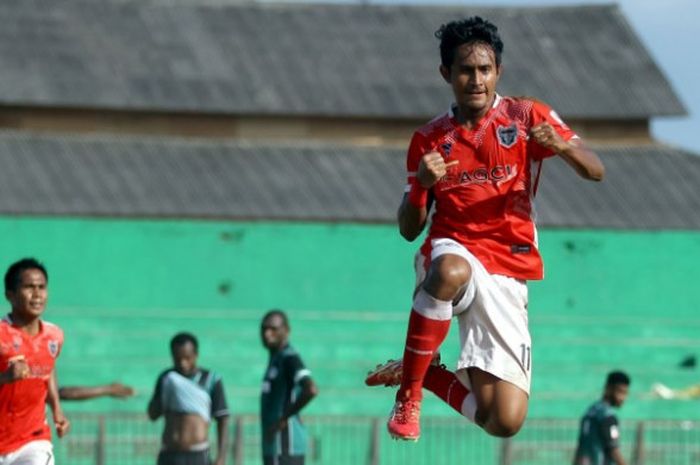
(188, 397)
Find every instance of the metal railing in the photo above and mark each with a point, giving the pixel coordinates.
(130, 439)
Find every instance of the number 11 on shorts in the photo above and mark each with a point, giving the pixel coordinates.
(525, 356)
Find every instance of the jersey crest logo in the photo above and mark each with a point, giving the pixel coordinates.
(507, 135)
(53, 348)
(16, 343)
(446, 148)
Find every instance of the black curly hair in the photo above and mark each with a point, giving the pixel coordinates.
(13, 276)
(474, 29)
(180, 339)
(617, 377)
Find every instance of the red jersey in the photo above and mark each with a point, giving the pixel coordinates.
(485, 202)
(23, 402)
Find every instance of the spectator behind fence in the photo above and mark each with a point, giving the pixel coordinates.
(189, 397)
(599, 433)
(287, 388)
(29, 347)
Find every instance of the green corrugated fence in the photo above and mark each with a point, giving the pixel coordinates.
(130, 439)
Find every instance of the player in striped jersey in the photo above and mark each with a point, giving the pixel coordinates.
(286, 389)
(599, 433)
(189, 397)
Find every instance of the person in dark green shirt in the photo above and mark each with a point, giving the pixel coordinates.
(287, 388)
(599, 433)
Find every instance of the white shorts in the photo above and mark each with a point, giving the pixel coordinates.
(492, 318)
(32, 453)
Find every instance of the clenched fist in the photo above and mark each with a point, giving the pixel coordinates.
(61, 423)
(432, 167)
(545, 135)
(16, 370)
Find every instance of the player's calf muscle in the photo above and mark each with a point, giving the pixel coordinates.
(501, 406)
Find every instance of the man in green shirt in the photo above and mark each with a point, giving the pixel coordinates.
(287, 387)
(599, 434)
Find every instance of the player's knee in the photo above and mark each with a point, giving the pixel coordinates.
(452, 270)
(503, 430)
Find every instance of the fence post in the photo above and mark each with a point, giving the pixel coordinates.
(374, 442)
(506, 452)
(237, 447)
(638, 451)
(101, 439)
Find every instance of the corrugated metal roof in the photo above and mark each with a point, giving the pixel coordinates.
(653, 186)
(107, 175)
(645, 187)
(293, 59)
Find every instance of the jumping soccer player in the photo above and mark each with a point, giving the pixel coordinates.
(479, 164)
(29, 347)
(189, 397)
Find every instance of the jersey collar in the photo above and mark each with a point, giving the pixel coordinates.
(453, 106)
(474, 136)
(8, 319)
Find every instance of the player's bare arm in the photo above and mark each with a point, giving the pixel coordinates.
(617, 457)
(221, 440)
(583, 160)
(412, 218)
(90, 392)
(60, 421)
(309, 390)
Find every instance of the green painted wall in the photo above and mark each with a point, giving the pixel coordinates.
(192, 265)
(122, 288)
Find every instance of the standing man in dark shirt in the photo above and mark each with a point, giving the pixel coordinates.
(287, 388)
(599, 435)
(189, 397)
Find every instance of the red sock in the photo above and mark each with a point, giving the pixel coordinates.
(444, 384)
(424, 337)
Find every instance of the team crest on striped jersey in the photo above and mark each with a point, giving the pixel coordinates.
(53, 348)
(507, 135)
(446, 148)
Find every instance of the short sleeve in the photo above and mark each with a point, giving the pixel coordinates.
(55, 336)
(295, 370)
(417, 148)
(610, 432)
(157, 398)
(60, 341)
(543, 113)
(219, 408)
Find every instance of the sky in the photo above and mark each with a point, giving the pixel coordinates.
(670, 31)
